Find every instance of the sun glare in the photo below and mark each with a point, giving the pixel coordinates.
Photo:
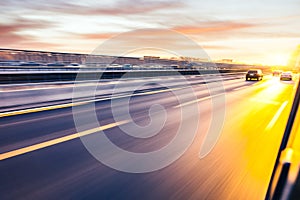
(277, 59)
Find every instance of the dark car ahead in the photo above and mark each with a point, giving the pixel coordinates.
(254, 74)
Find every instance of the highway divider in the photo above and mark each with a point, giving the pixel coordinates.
(14, 76)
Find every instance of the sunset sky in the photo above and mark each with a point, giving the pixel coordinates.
(258, 31)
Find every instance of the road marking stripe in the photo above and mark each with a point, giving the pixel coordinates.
(42, 145)
(239, 88)
(196, 101)
(276, 116)
(266, 101)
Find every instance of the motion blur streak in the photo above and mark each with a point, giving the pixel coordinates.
(239, 166)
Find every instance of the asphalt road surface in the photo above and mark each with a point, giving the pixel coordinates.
(42, 157)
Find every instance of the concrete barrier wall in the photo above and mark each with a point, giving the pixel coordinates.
(35, 77)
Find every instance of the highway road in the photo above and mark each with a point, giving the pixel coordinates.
(42, 157)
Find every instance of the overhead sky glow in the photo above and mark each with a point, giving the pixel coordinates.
(257, 31)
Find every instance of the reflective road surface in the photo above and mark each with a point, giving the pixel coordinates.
(42, 157)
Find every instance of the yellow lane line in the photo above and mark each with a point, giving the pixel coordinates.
(31, 110)
(42, 145)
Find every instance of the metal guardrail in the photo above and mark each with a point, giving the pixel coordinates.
(4, 69)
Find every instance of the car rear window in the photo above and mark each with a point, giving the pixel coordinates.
(252, 71)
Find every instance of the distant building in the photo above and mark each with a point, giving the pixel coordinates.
(227, 61)
(14, 57)
(40, 56)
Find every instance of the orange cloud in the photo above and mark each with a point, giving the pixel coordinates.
(207, 29)
(124, 7)
(21, 24)
(96, 35)
(12, 38)
(215, 47)
(213, 27)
